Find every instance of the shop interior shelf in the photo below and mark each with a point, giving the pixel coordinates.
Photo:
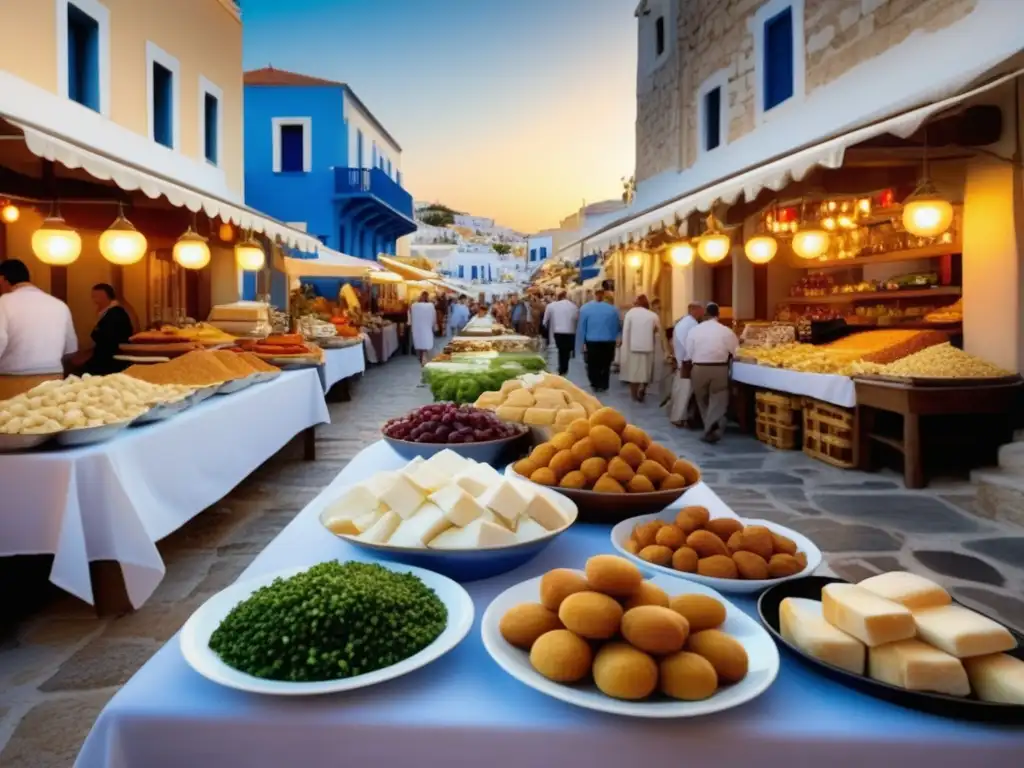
(850, 298)
(926, 252)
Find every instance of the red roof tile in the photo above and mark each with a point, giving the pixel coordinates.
(271, 76)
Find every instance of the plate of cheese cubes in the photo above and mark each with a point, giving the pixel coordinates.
(451, 515)
(901, 637)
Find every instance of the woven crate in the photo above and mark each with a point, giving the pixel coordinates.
(783, 410)
(829, 434)
(785, 438)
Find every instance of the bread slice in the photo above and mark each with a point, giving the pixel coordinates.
(961, 632)
(909, 589)
(997, 677)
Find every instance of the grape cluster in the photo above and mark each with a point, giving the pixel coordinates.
(449, 423)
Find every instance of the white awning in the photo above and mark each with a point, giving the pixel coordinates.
(330, 263)
(130, 178)
(407, 270)
(775, 174)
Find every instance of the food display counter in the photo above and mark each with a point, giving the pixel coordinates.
(464, 704)
(830, 388)
(342, 363)
(380, 343)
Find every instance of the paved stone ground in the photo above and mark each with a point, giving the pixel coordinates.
(59, 666)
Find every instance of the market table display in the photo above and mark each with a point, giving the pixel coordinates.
(341, 364)
(381, 344)
(831, 388)
(464, 706)
(114, 500)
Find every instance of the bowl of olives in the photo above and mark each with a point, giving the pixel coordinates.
(471, 432)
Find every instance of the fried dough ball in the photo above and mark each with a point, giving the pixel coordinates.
(656, 554)
(631, 546)
(575, 480)
(655, 629)
(758, 539)
(558, 584)
(662, 455)
(544, 476)
(725, 653)
(613, 575)
(583, 450)
(750, 566)
(801, 557)
(783, 545)
(632, 455)
(636, 436)
(591, 615)
(606, 442)
(542, 454)
(687, 522)
(608, 484)
(593, 468)
(670, 536)
(684, 468)
(685, 559)
(735, 542)
(623, 672)
(620, 470)
(723, 527)
(561, 656)
(647, 594)
(525, 467)
(640, 484)
(562, 463)
(687, 676)
(646, 533)
(653, 471)
(701, 611)
(522, 624)
(608, 417)
(718, 567)
(700, 514)
(579, 428)
(706, 544)
(563, 441)
(783, 565)
(672, 482)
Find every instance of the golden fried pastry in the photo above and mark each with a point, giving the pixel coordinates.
(655, 629)
(801, 557)
(558, 584)
(653, 471)
(608, 417)
(783, 565)
(574, 480)
(542, 454)
(608, 484)
(706, 544)
(563, 441)
(758, 539)
(646, 534)
(750, 566)
(606, 442)
(725, 653)
(701, 611)
(670, 536)
(580, 428)
(525, 467)
(582, 450)
(593, 468)
(631, 546)
(718, 567)
(591, 615)
(687, 676)
(620, 470)
(672, 482)
(685, 559)
(613, 575)
(735, 542)
(684, 468)
(636, 436)
(623, 672)
(522, 624)
(687, 521)
(657, 554)
(700, 514)
(783, 545)
(647, 594)
(561, 656)
(723, 527)
(544, 476)
(632, 455)
(662, 455)
(562, 463)
(640, 484)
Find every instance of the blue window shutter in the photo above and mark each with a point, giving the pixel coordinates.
(83, 58)
(712, 118)
(543, 252)
(462, 271)
(778, 59)
(249, 286)
(533, 254)
(163, 105)
(292, 140)
(473, 273)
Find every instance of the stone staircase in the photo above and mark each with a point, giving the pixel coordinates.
(1001, 489)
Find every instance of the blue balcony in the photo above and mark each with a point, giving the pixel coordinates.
(373, 182)
(373, 211)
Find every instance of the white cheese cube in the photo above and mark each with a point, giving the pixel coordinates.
(378, 483)
(458, 506)
(477, 478)
(403, 496)
(366, 522)
(448, 462)
(961, 632)
(529, 529)
(801, 623)
(918, 666)
(427, 477)
(354, 502)
(908, 589)
(999, 678)
(426, 524)
(505, 501)
(479, 534)
(546, 512)
(871, 619)
(381, 531)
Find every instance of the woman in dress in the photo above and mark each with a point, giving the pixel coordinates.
(422, 319)
(641, 337)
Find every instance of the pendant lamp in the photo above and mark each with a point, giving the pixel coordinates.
(682, 254)
(191, 251)
(926, 213)
(55, 243)
(810, 243)
(122, 243)
(714, 245)
(249, 255)
(761, 249)
(10, 213)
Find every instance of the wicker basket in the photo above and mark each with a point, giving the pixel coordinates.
(829, 434)
(783, 410)
(785, 438)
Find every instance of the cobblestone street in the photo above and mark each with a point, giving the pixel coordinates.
(61, 665)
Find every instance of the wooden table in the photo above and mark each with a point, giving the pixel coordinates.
(915, 403)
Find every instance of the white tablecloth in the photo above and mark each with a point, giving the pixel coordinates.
(463, 711)
(115, 500)
(389, 342)
(341, 364)
(838, 390)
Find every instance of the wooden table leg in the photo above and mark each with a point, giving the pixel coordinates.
(913, 469)
(108, 590)
(309, 444)
(862, 447)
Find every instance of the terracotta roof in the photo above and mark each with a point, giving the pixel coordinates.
(271, 76)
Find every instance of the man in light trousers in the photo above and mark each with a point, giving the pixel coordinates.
(682, 388)
(711, 346)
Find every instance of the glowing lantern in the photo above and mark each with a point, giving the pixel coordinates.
(828, 223)
(926, 213)
(635, 260)
(226, 232)
(191, 250)
(10, 213)
(249, 255)
(810, 243)
(761, 249)
(122, 243)
(55, 243)
(714, 246)
(682, 254)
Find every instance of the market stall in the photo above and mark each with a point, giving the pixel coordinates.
(465, 704)
(114, 500)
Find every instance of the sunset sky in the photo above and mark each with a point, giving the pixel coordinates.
(515, 109)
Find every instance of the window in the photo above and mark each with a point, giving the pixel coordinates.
(83, 58)
(712, 119)
(359, 149)
(778, 59)
(659, 36)
(533, 254)
(462, 271)
(210, 97)
(292, 144)
(473, 276)
(543, 252)
(162, 87)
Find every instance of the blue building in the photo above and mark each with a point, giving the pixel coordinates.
(315, 156)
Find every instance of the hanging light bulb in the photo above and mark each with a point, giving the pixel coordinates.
(682, 254)
(926, 213)
(761, 249)
(249, 255)
(191, 251)
(810, 243)
(122, 243)
(55, 243)
(864, 205)
(635, 259)
(226, 232)
(713, 246)
(828, 223)
(847, 222)
(10, 213)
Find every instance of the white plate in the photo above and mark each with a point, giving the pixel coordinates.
(236, 385)
(761, 651)
(621, 532)
(71, 438)
(195, 637)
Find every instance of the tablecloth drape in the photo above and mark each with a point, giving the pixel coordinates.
(463, 711)
(341, 364)
(831, 388)
(115, 500)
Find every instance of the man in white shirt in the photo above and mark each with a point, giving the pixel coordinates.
(710, 346)
(682, 389)
(560, 318)
(36, 332)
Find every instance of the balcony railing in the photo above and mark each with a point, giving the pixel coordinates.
(373, 181)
